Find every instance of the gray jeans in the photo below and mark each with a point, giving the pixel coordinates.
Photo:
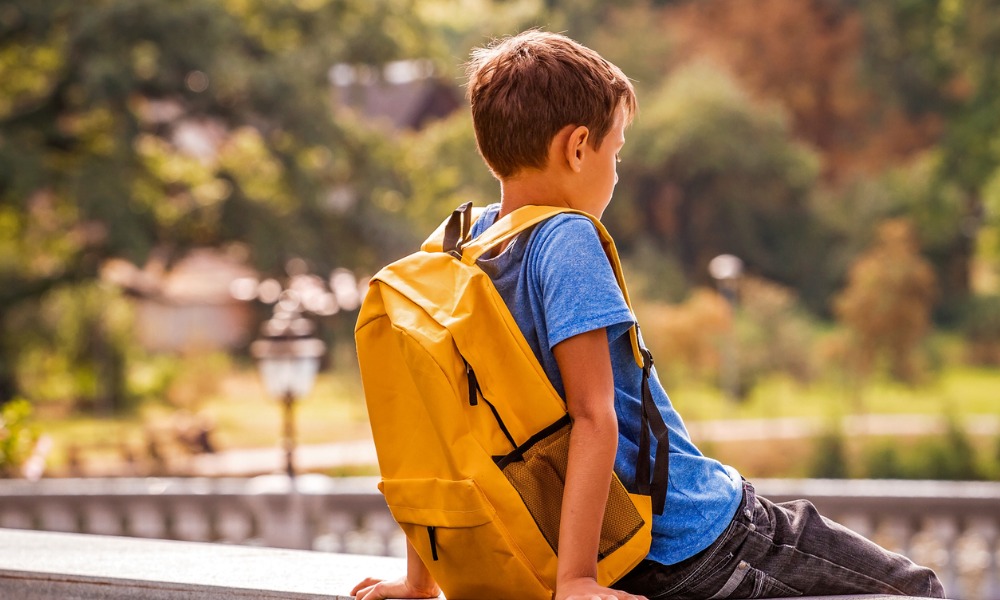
(779, 550)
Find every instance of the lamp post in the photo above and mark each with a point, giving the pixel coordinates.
(287, 354)
(726, 270)
(288, 358)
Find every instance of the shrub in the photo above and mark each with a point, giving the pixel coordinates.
(980, 324)
(684, 337)
(951, 456)
(884, 462)
(888, 300)
(829, 460)
(17, 437)
(775, 335)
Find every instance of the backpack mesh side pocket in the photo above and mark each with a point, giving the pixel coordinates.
(537, 470)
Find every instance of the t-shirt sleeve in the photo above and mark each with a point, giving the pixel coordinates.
(576, 282)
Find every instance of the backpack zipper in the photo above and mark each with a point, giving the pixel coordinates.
(475, 392)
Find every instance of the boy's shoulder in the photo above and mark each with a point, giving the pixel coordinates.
(561, 228)
(568, 235)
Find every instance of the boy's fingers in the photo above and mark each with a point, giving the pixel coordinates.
(367, 593)
(364, 589)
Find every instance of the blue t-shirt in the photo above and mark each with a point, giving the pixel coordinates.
(557, 282)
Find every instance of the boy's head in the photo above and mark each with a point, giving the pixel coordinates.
(524, 89)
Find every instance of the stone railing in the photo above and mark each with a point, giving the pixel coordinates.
(952, 527)
(316, 512)
(36, 565)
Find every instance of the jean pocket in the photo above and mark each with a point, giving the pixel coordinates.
(694, 581)
(749, 582)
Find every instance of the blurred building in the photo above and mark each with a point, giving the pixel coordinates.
(405, 94)
(187, 306)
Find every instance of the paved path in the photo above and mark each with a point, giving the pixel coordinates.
(362, 452)
(793, 428)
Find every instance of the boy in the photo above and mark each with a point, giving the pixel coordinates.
(549, 116)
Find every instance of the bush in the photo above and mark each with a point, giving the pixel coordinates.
(684, 338)
(884, 462)
(17, 437)
(980, 324)
(995, 462)
(950, 457)
(888, 300)
(829, 460)
(774, 334)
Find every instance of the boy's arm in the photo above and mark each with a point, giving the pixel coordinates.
(585, 366)
(418, 582)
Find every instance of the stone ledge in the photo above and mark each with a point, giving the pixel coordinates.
(70, 566)
(49, 566)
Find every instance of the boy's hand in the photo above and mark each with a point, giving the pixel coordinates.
(585, 588)
(376, 589)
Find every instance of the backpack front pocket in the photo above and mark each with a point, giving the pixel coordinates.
(537, 470)
(454, 529)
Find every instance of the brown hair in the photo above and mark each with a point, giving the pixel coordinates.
(524, 89)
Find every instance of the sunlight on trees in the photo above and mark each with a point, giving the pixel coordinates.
(832, 146)
(887, 302)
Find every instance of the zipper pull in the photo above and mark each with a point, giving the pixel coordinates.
(432, 536)
(473, 385)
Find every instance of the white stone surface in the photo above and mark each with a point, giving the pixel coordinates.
(44, 565)
(69, 566)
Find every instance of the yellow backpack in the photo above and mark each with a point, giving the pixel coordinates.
(471, 436)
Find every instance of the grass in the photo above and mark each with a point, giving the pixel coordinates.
(958, 391)
(239, 411)
(244, 417)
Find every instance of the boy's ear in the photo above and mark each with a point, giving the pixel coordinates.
(576, 147)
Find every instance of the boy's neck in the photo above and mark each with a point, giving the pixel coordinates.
(534, 187)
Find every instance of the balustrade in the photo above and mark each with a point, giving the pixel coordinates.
(953, 527)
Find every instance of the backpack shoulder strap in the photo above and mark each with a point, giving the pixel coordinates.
(519, 220)
(507, 228)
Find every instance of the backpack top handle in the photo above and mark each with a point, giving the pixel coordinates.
(456, 230)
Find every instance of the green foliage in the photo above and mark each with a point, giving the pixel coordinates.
(775, 335)
(192, 123)
(887, 302)
(829, 458)
(131, 126)
(128, 127)
(77, 344)
(884, 461)
(17, 436)
(980, 324)
(993, 467)
(952, 456)
(699, 144)
(939, 59)
(444, 171)
(686, 337)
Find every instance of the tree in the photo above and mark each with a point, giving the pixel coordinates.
(888, 300)
(129, 126)
(939, 59)
(810, 57)
(709, 172)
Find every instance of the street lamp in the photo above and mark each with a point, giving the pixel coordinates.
(288, 358)
(726, 270)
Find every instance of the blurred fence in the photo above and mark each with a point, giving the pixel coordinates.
(953, 527)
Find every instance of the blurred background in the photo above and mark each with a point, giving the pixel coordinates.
(808, 210)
